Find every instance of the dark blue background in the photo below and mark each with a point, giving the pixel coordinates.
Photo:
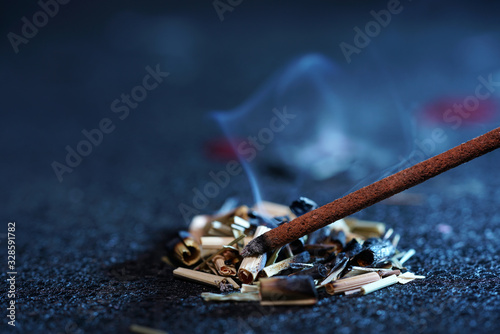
(88, 248)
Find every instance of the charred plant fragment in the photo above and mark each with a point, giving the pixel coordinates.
(352, 248)
(323, 250)
(318, 271)
(375, 252)
(337, 270)
(288, 290)
(302, 206)
(338, 238)
(259, 219)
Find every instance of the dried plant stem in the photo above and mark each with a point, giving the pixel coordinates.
(145, 330)
(204, 278)
(250, 266)
(346, 284)
(374, 286)
(201, 265)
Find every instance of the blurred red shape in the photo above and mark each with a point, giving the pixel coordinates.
(221, 149)
(444, 109)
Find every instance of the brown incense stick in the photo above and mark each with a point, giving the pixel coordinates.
(373, 193)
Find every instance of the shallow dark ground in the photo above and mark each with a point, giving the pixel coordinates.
(89, 248)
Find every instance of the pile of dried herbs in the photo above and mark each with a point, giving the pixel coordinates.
(349, 256)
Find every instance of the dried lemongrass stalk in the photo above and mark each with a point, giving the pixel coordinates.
(228, 218)
(395, 240)
(145, 330)
(352, 292)
(241, 222)
(377, 285)
(396, 264)
(355, 271)
(407, 255)
(204, 278)
(388, 234)
(273, 209)
(219, 228)
(272, 258)
(276, 268)
(387, 273)
(185, 249)
(211, 242)
(247, 288)
(364, 227)
(288, 290)
(235, 297)
(234, 241)
(346, 284)
(369, 269)
(222, 268)
(408, 277)
(340, 225)
(251, 265)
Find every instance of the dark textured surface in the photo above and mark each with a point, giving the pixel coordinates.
(89, 248)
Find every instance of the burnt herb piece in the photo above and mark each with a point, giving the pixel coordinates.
(288, 290)
(322, 251)
(352, 248)
(316, 272)
(375, 252)
(319, 236)
(258, 219)
(337, 269)
(338, 237)
(302, 206)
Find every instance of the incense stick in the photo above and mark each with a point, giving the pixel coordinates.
(373, 193)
